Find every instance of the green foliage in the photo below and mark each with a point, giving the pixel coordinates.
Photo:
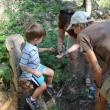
(50, 40)
(59, 66)
(23, 13)
(20, 15)
(4, 72)
(3, 55)
(49, 58)
(104, 3)
(54, 108)
(2, 38)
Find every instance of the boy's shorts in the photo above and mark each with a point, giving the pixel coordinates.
(105, 90)
(39, 80)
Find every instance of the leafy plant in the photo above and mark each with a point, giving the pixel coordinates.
(20, 15)
(54, 108)
(4, 72)
(104, 3)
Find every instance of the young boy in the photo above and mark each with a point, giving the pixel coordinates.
(31, 66)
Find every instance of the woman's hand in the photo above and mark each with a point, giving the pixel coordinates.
(62, 54)
(59, 56)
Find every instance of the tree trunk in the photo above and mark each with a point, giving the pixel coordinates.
(87, 4)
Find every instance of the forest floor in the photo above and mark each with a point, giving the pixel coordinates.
(8, 100)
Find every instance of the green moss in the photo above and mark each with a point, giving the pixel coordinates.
(4, 71)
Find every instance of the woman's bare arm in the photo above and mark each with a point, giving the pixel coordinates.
(71, 49)
(97, 70)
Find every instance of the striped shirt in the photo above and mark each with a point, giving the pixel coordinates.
(30, 56)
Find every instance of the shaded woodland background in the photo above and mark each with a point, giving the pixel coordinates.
(17, 15)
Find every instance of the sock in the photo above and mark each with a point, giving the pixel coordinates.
(32, 98)
(50, 85)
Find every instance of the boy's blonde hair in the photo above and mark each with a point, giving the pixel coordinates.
(34, 31)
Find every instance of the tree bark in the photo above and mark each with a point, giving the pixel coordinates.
(87, 4)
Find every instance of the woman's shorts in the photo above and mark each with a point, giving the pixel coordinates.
(105, 89)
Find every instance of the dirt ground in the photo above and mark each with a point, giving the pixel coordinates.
(8, 100)
(73, 96)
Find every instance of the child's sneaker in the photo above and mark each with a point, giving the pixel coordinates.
(32, 104)
(51, 91)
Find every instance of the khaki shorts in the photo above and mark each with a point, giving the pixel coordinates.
(105, 90)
